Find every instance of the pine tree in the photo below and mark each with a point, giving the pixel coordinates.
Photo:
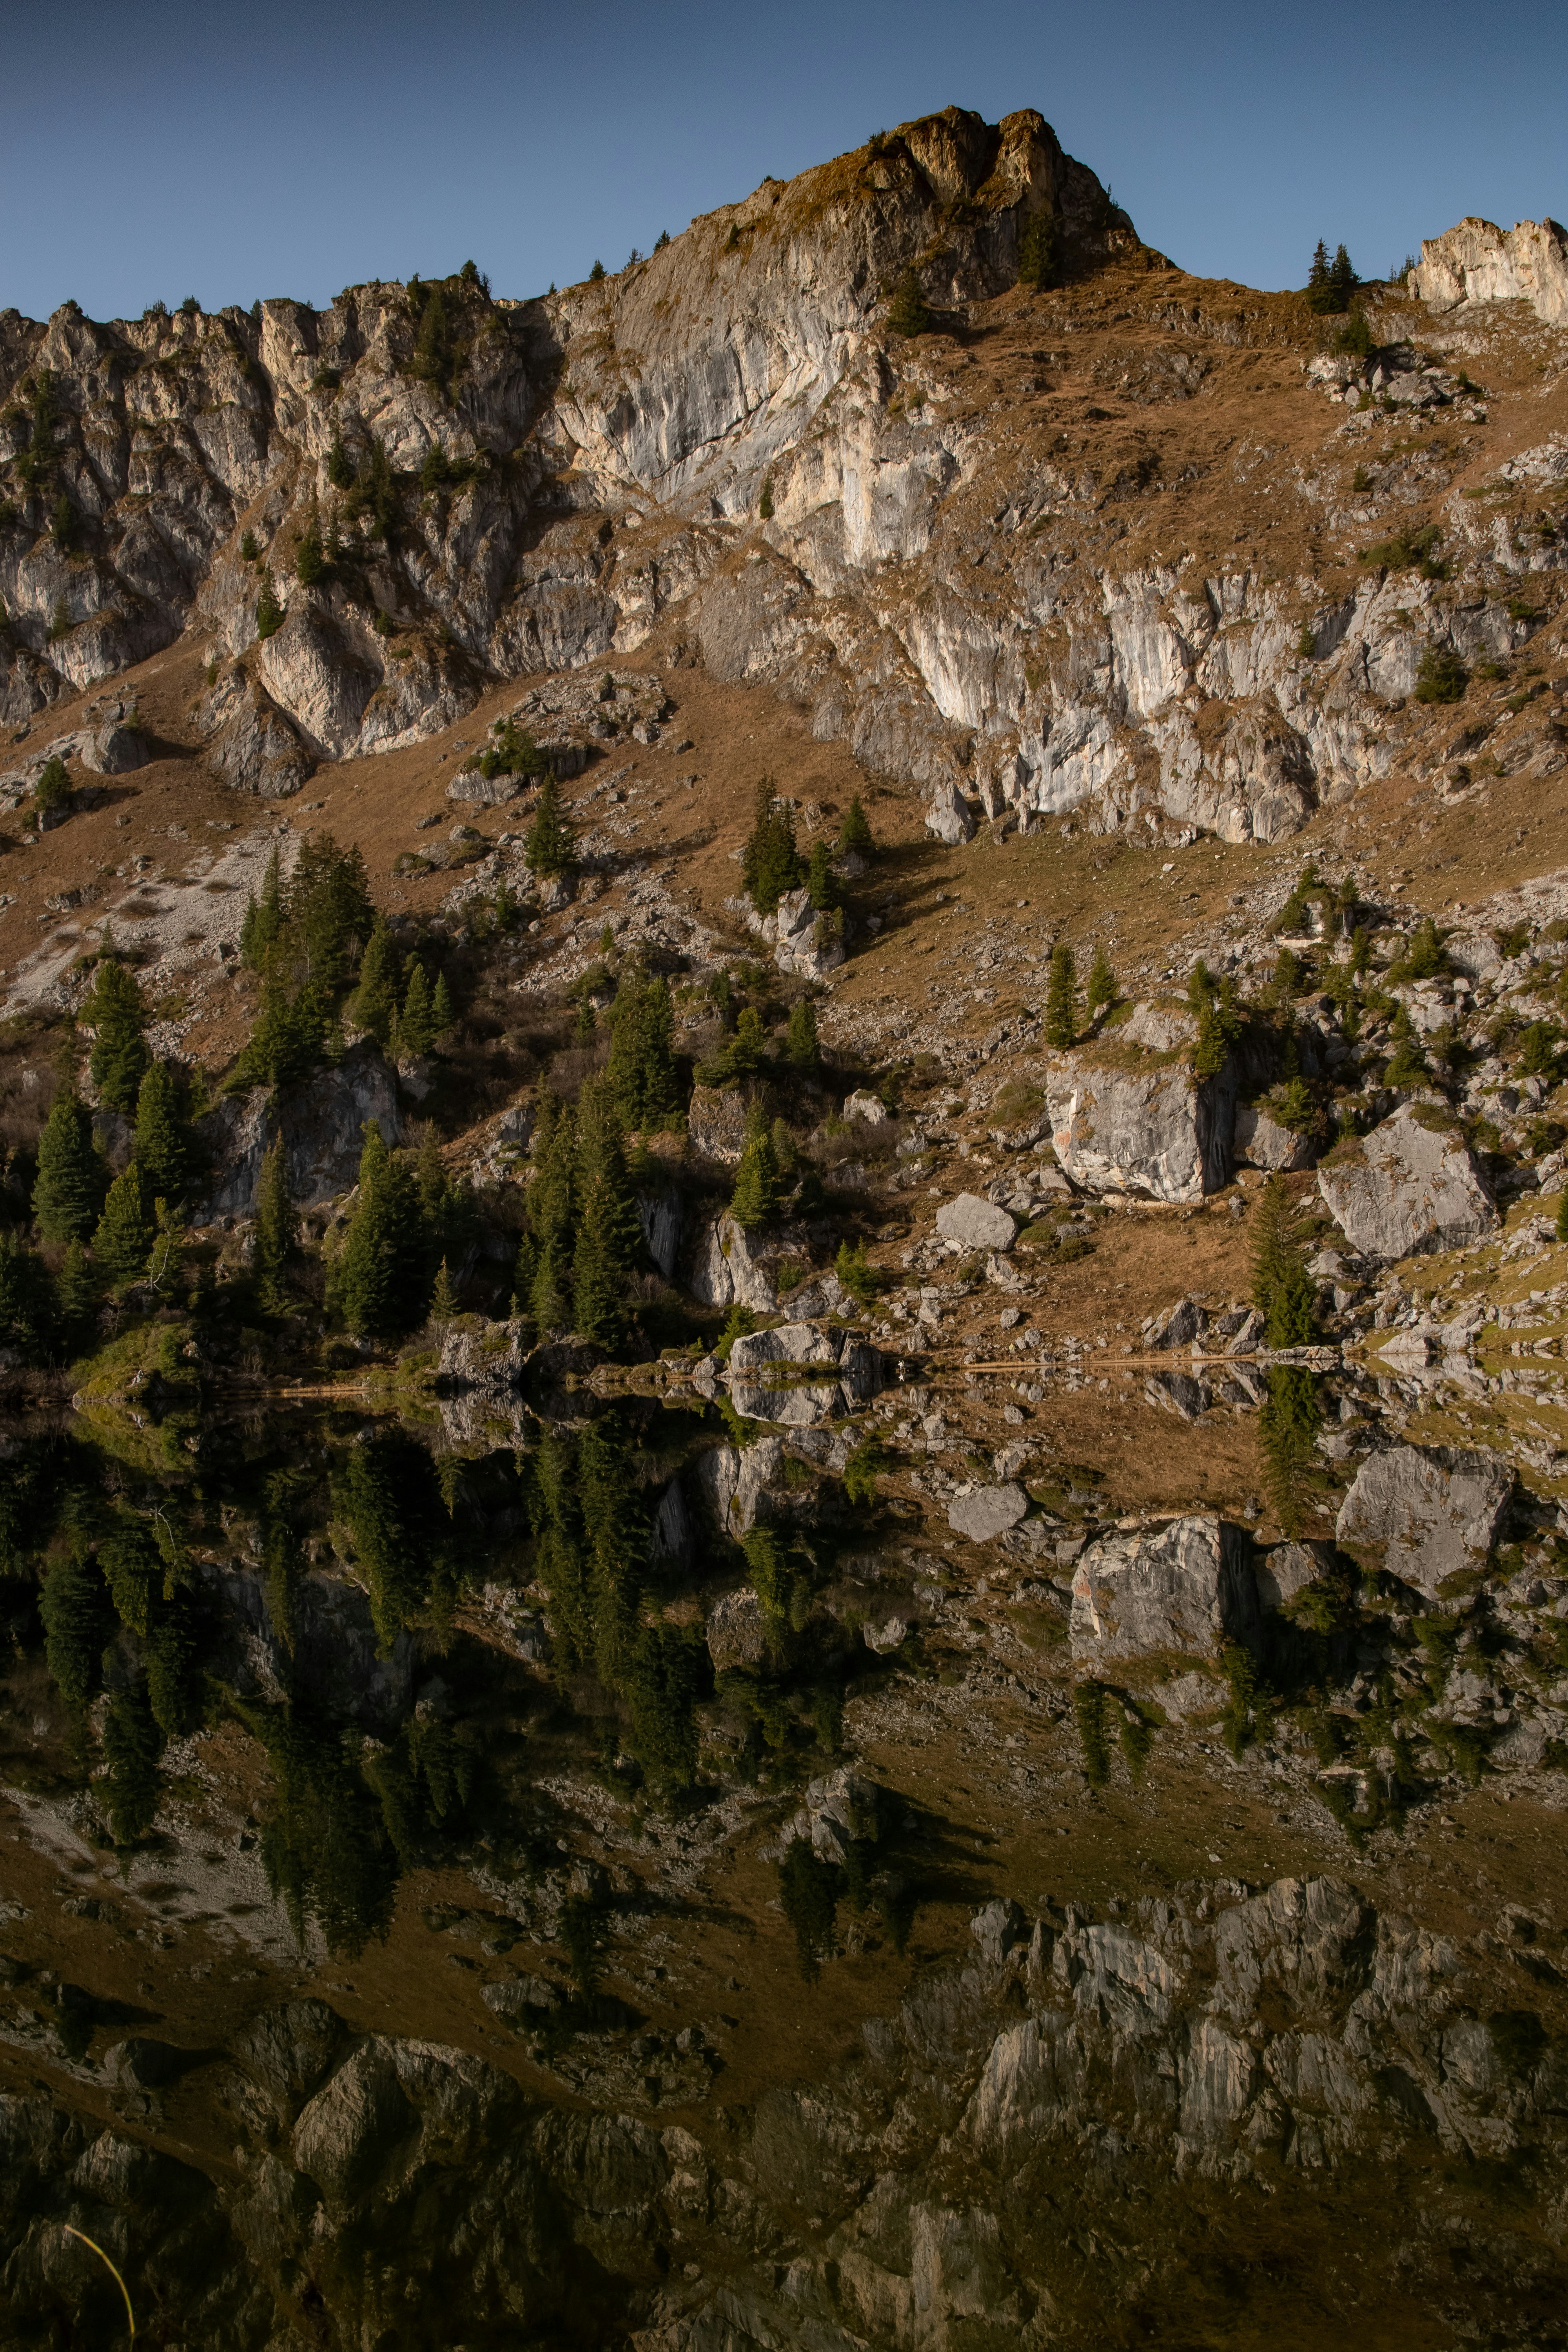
(69, 1189)
(609, 1234)
(758, 1195)
(263, 924)
(132, 1744)
(74, 1606)
(1101, 982)
(415, 1034)
(641, 1071)
(75, 1297)
(1036, 251)
(339, 473)
(1562, 1225)
(164, 1148)
(269, 613)
(382, 1278)
(823, 885)
(855, 833)
(1061, 998)
(1317, 296)
(1342, 280)
(551, 1217)
(549, 845)
(373, 1005)
(444, 1308)
(435, 1189)
(800, 1045)
(327, 910)
(907, 311)
(26, 1306)
(277, 1227)
(441, 1013)
(1407, 1062)
(117, 1017)
(286, 1041)
(749, 1048)
(309, 557)
(770, 863)
(1281, 1288)
(122, 1242)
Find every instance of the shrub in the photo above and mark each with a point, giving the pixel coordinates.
(1090, 1709)
(1038, 252)
(765, 503)
(597, 273)
(1356, 337)
(52, 793)
(907, 311)
(1442, 677)
(249, 549)
(1405, 551)
(269, 612)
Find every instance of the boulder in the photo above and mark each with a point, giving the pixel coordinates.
(323, 1125)
(1284, 1571)
(795, 1394)
(716, 1124)
(1178, 1327)
(1159, 1133)
(971, 1223)
(115, 749)
(483, 792)
(987, 1512)
(947, 816)
(524, 2000)
(1159, 1028)
(1263, 1142)
(1437, 1509)
(1410, 1185)
(734, 1482)
(724, 1271)
(737, 1631)
(868, 1107)
(807, 942)
(1188, 1587)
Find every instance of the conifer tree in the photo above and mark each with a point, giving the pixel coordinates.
(263, 924)
(74, 1606)
(434, 1187)
(1561, 1228)
(164, 1147)
(641, 1071)
(327, 910)
(122, 1242)
(69, 1189)
(1281, 1288)
(416, 1033)
(1036, 251)
(373, 1005)
(117, 1017)
(339, 473)
(75, 1297)
(269, 613)
(609, 1234)
(758, 1195)
(382, 1277)
(1061, 998)
(1342, 280)
(749, 1049)
(1101, 982)
(1318, 298)
(286, 1039)
(309, 557)
(907, 311)
(823, 886)
(441, 1013)
(277, 1227)
(1407, 1062)
(549, 845)
(133, 1743)
(770, 863)
(444, 1308)
(801, 1043)
(26, 1307)
(546, 1280)
(855, 833)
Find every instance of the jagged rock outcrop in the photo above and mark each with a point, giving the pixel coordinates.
(1411, 1185)
(1479, 262)
(799, 1375)
(323, 1124)
(1436, 1510)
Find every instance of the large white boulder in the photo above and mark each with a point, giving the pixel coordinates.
(1153, 1131)
(969, 1222)
(987, 1511)
(1437, 1509)
(947, 816)
(1186, 1587)
(1410, 1185)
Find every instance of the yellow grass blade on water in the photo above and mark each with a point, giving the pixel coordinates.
(109, 2267)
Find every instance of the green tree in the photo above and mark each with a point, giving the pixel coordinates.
(641, 1070)
(373, 1005)
(907, 311)
(286, 1041)
(1101, 982)
(433, 347)
(263, 923)
(132, 1744)
(74, 1607)
(800, 1045)
(1562, 1224)
(441, 1013)
(309, 557)
(416, 1031)
(823, 886)
(549, 845)
(609, 1234)
(27, 1303)
(444, 1306)
(122, 1242)
(809, 1891)
(855, 833)
(52, 793)
(1441, 676)
(382, 1278)
(69, 1189)
(1318, 280)
(759, 1192)
(327, 910)
(164, 1148)
(117, 1018)
(770, 862)
(340, 472)
(544, 1260)
(1407, 1062)
(1281, 1289)
(277, 1227)
(269, 613)
(1036, 251)
(1342, 280)
(76, 1298)
(856, 1273)
(249, 549)
(1061, 998)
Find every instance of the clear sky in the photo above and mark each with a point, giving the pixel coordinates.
(168, 149)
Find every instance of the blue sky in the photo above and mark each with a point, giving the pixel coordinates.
(172, 149)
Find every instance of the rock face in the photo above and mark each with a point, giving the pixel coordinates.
(716, 1124)
(1288, 1569)
(1479, 262)
(1407, 1186)
(1263, 1142)
(987, 1511)
(773, 1375)
(971, 1223)
(726, 1271)
(737, 1631)
(323, 1125)
(1438, 1510)
(1189, 1587)
(1158, 1133)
